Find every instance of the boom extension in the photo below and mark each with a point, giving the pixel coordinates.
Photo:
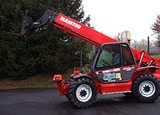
(65, 23)
(30, 27)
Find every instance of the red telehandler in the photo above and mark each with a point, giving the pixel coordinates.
(114, 68)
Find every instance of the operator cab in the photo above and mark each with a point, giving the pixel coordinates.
(113, 62)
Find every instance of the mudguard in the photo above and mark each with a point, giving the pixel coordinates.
(80, 76)
(151, 68)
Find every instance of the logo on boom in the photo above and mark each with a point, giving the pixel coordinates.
(63, 19)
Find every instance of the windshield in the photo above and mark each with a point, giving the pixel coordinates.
(93, 58)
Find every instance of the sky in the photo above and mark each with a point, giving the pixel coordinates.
(115, 16)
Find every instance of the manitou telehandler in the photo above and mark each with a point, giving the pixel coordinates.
(135, 72)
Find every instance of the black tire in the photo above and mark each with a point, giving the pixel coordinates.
(68, 81)
(129, 94)
(146, 88)
(82, 92)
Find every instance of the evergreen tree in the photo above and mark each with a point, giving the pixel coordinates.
(52, 49)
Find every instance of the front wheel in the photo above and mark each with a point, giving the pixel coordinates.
(82, 92)
(146, 88)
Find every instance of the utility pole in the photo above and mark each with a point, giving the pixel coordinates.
(148, 45)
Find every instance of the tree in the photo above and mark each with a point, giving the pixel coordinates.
(118, 37)
(156, 29)
(52, 49)
(142, 44)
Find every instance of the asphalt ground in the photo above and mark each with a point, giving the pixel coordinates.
(46, 101)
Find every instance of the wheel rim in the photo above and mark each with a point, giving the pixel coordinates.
(83, 93)
(147, 88)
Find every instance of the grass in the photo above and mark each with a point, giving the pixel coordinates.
(156, 56)
(37, 81)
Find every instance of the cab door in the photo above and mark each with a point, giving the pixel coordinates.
(128, 62)
(110, 67)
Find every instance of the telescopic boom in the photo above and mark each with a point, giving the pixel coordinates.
(77, 29)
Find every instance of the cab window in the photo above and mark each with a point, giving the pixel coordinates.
(127, 56)
(109, 57)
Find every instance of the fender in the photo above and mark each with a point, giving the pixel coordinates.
(81, 75)
(150, 68)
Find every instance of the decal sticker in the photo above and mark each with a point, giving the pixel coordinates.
(128, 68)
(110, 70)
(117, 69)
(110, 76)
(63, 19)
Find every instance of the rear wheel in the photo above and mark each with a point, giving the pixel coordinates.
(146, 88)
(129, 94)
(82, 92)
